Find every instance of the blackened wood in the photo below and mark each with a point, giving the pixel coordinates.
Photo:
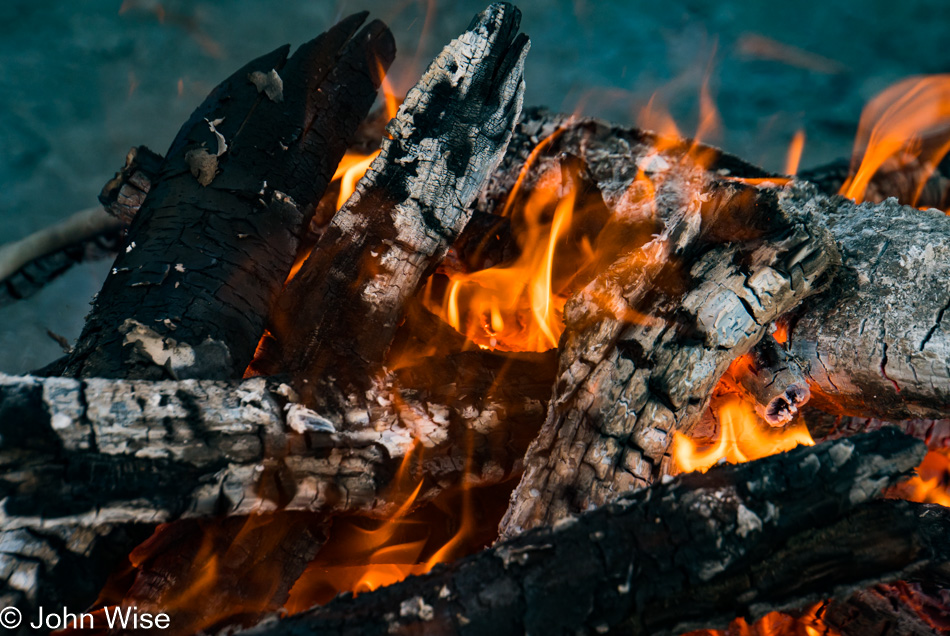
(125, 193)
(908, 609)
(213, 244)
(679, 556)
(647, 341)
(99, 451)
(772, 380)
(338, 315)
(912, 183)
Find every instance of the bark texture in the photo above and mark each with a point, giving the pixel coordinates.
(647, 341)
(684, 555)
(212, 246)
(338, 315)
(894, 273)
(97, 451)
(877, 343)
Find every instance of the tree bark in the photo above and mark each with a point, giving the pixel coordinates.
(213, 244)
(683, 555)
(338, 315)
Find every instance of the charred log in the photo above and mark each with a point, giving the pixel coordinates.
(339, 313)
(640, 357)
(772, 380)
(110, 451)
(214, 242)
(677, 557)
(889, 301)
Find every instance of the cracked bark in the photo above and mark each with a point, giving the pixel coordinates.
(213, 243)
(647, 341)
(676, 557)
(411, 204)
(893, 288)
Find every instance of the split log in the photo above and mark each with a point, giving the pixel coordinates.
(887, 309)
(99, 451)
(772, 380)
(647, 341)
(676, 557)
(218, 233)
(338, 315)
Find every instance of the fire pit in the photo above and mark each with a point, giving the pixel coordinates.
(486, 345)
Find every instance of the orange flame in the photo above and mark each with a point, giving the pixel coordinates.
(794, 156)
(809, 623)
(932, 482)
(742, 438)
(909, 121)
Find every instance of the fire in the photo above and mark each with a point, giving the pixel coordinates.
(742, 437)
(932, 482)
(794, 156)
(809, 623)
(909, 122)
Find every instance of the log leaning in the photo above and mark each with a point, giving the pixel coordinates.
(212, 246)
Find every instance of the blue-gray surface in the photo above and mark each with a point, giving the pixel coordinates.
(82, 82)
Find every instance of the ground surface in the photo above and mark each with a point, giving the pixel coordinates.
(80, 83)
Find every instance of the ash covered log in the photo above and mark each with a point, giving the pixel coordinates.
(99, 451)
(647, 341)
(678, 556)
(218, 233)
(338, 315)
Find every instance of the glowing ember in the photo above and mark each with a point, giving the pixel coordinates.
(809, 623)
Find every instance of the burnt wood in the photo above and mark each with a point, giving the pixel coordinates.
(771, 379)
(647, 341)
(218, 233)
(338, 315)
(677, 557)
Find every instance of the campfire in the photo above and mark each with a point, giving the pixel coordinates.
(459, 365)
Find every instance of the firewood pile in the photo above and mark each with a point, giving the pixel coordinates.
(261, 368)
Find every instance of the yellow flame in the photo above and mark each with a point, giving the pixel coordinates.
(742, 438)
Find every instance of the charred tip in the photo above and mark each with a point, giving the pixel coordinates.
(499, 16)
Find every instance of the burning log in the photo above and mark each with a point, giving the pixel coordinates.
(886, 306)
(449, 134)
(114, 451)
(635, 367)
(772, 380)
(678, 556)
(217, 235)
(909, 609)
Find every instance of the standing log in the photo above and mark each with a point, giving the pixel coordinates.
(218, 233)
(676, 557)
(647, 342)
(338, 315)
